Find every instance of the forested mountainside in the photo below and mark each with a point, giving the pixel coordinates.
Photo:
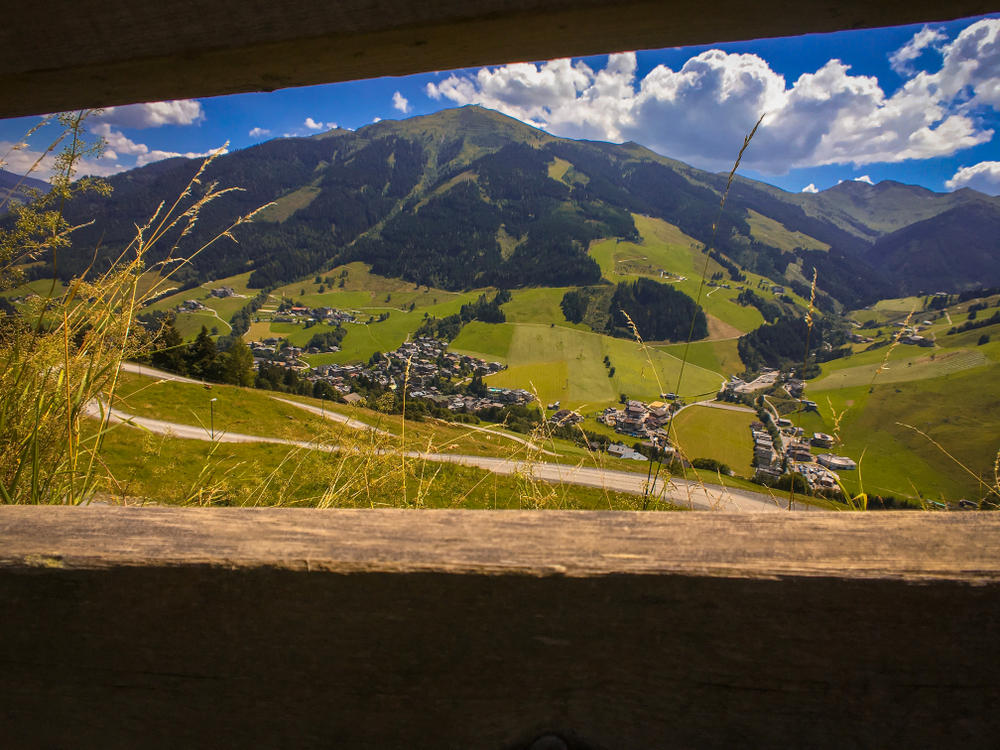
(469, 197)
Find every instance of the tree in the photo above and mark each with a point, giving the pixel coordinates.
(984, 339)
(168, 349)
(202, 357)
(237, 364)
(477, 387)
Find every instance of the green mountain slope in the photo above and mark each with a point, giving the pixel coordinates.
(468, 197)
(958, 248)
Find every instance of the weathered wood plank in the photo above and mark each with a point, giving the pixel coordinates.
(898, 545)
(57, 56)
(166, 627)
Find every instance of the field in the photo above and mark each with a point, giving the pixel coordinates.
(905, 363)
(568, 366)
(775, 234)
(160, 469)
(718, 356)
(722, 434)
(219, 309)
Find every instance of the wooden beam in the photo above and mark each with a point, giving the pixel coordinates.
(161, 627)
(58, 56)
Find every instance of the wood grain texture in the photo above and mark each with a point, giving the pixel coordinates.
(161, 627)
(895, 545)
(57, 56)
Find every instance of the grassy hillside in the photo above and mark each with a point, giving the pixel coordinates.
(951, 392)
(169, 470)
(722, 434)
(775, 234)
(664, 247)
(164, 470)
(568, 365)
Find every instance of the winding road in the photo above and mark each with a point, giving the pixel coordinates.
(681, 492)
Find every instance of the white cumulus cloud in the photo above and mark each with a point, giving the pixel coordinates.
(927, 37)
(153, 114)
(158, 155)
(312, 124)
(810, 188)
(701, 112)
(864, 178)
(258, 132)
(400, 102)
(984, 176)
(23, 160)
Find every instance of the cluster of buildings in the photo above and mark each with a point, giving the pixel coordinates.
(222, 292)
(495, 398)
(565, 418)
(189, 305)
(424, 366)
(278, 352)
(639, 420)
(329, 315)
(911, 334)
(792, 453)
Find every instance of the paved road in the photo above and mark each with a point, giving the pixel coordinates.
(499, 433)
(152, 372)
(331, 415)
(682, 492)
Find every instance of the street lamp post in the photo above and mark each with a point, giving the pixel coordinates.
(211, 407)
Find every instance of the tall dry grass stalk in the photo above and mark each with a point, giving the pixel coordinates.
(677, 450)
(60, 355)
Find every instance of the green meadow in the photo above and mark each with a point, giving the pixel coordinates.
(567, 365)
(664, 246)
(722, 434)
(775, 234)
(143, 467)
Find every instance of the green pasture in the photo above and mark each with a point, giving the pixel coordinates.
(190, 324)
(665, 246)
(775, 234)
(905, 363)
(539, 305)
(364, 289)
(568, 365)
(288, 204)
(959, 410)
(153, 468)
(485, 340)
(722, 434)
(718, 356)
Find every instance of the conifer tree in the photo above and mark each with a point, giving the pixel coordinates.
(202, 357)
(169, 352)
(237, 364)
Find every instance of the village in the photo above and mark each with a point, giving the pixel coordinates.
(429, 372)
(423, 366)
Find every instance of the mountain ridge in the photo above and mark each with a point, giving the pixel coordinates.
(471, 197)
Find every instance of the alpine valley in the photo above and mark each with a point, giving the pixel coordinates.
(595, 275)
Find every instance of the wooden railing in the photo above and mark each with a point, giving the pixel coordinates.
(56, 55)
(158, 627)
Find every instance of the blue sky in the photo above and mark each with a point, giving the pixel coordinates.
(918, 104)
